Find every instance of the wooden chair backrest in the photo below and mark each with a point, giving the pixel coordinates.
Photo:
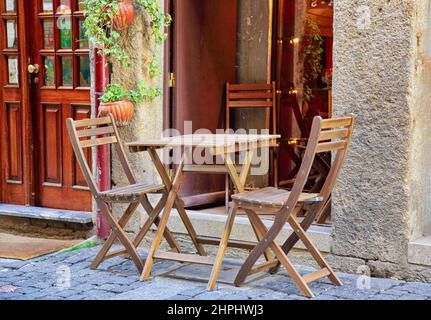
(251, 96)
(97, 132)
(329, 135)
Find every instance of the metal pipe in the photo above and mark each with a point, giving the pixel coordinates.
(103, 153)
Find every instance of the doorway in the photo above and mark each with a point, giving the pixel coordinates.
(46, 79)
(201, 59)
(302, 69)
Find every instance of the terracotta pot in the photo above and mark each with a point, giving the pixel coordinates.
(124, 18)
(122, 111)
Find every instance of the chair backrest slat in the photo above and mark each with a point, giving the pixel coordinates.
(250, 95)
(250, 87)
(330, 146)
(335, 123)
(95, 132)
(92, 122)
(334, 134)
(98, 142)
(250, 104)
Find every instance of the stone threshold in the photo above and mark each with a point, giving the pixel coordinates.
(212, 225)
(419, 251)
(79, 217)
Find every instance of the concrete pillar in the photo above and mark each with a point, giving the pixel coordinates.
(382, 198)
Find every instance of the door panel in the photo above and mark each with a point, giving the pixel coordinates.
(204, 48)
(15, 156)
(61, 89)
(14, 144)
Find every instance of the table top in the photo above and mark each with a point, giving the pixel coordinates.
(217, 142)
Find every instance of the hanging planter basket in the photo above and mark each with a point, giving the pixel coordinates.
(122, 111)
(124, 18)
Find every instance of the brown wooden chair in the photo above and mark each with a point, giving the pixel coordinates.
(103, 131)
(326, 135)
(251, 96)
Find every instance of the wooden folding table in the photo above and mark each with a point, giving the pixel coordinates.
(222, 145)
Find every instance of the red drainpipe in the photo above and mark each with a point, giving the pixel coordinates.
(103, 158)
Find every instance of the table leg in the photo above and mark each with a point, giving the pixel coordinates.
(170, 201)
(177, 203)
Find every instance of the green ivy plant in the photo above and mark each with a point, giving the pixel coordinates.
(116, 92)
(313, 58)
(100, 30)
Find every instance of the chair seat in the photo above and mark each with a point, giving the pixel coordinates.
(271, 198)
(131, 193)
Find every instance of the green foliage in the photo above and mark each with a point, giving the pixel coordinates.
(100, 31)
(143, 92)
(313, 59)
(116, 92)
(158, 19)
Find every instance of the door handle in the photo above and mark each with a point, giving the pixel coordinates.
(33, 68)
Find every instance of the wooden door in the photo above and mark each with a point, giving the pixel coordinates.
(204, 50)
(16, 162)
(45, 79)
(61, 89)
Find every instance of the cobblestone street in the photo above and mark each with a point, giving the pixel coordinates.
(68, 277)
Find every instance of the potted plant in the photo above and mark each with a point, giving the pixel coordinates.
(121, 102)
(116, 100)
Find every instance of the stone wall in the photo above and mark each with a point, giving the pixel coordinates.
(148, 119)
(381, 75)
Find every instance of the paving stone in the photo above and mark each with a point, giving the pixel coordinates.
(412, 296)
(156, 289)
(416, 287)
(114, 288)
(384, 296)
(179, 297)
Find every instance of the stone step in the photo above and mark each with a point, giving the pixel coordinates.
(79, 217)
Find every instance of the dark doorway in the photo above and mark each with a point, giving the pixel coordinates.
(302, 69)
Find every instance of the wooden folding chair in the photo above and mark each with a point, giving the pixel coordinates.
(326, 135)
(103, 131)
(261, 96)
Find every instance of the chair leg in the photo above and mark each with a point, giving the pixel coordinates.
(267, 253)
(255, 254)
(189, 227)
(121, 235)
(222, 249)
(278, 251)
(159, 235)
(110, 241)
(313, 250)
(293, 238)
(154, 212)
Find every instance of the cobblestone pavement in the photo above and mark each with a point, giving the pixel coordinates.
(68, 277)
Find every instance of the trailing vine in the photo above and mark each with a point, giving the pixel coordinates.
(100, 31)
(313, 58)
